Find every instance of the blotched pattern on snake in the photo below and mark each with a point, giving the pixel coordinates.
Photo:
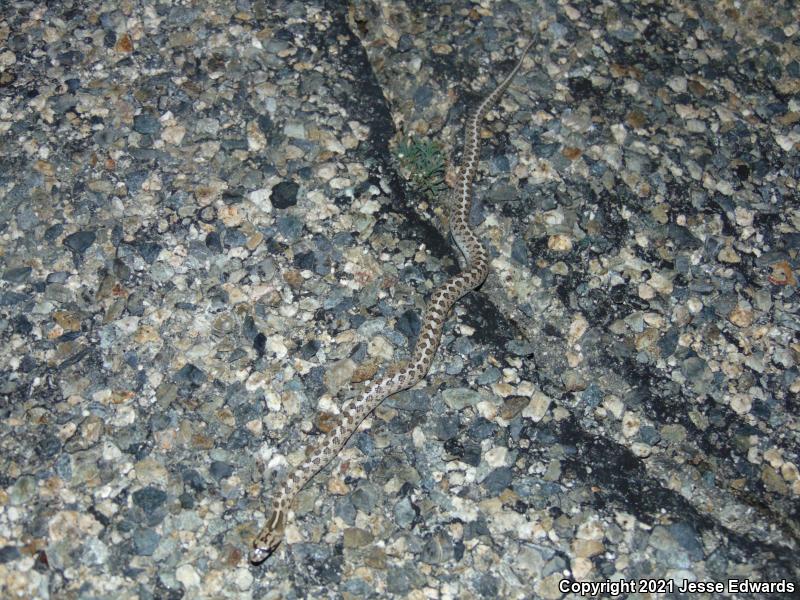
(438, 308)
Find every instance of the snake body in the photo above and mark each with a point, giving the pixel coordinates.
(437, 310)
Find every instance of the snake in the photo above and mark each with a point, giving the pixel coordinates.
(401, 376)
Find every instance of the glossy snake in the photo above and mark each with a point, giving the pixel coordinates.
(476, 267)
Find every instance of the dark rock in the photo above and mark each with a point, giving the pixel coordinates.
(13, 298)
(304, 260)
(447, 427)
(145, 542)
(249, 330)
(489, 376)
(481, 429)
(27, 364)
(234, 238)
(649, 435)
(214, 242)
(487, 586)
(498, 480)
(149, 251)
(519, 251)
(18, 275)
(422, 96)
(290, 227)
(52, 232)
(365, 497)
(135, 303)
(345, 510)
(193, 479)
(146, 124)
(21, 325)
(401, 580)
(687, 537)
(309, 349)
(80, 241)
(284, 194)
(409, 324)
(220, 470)
(190, 374)
(404, 513)
(260, 344)
(471, 454)
(9, 553)
(48, 446)
(149, 499)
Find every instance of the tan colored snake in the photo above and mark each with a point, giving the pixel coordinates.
(476, 267)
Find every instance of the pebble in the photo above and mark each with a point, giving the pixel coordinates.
(80, 241)
(630, 424)
(356, 538)
(284, 195)
(404, 513)
(459, 398)
(18, 275)
(145, 542)
(497, 457)
(538, 406)
(559, 243)
(149, 499)
(741, 403)
(188, 576)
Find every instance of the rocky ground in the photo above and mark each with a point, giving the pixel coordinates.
(221, 218)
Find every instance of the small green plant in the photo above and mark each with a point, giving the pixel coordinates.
(422, 162)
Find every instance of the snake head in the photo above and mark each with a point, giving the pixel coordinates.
(269, 538)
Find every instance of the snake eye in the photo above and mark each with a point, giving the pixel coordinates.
(263, 549)
(258, 555)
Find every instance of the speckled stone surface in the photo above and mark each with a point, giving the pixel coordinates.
(206, 245)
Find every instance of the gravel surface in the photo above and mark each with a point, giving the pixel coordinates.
(209, 240)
